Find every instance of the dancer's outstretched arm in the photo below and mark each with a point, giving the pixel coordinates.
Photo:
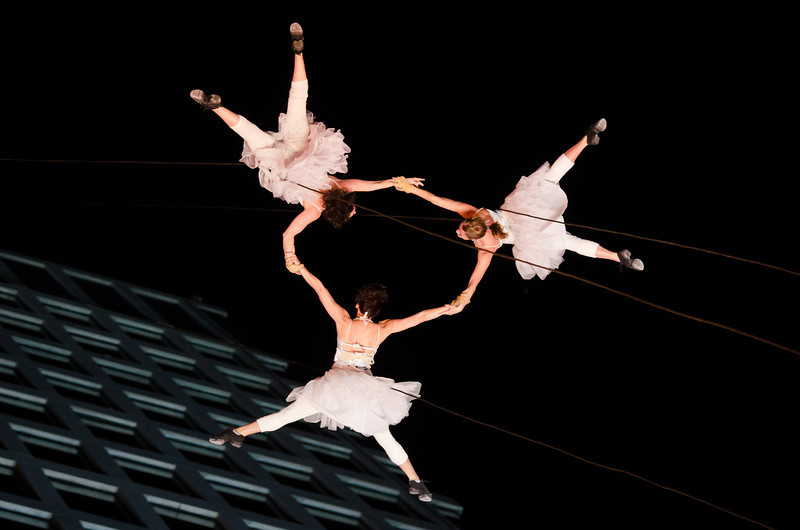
(401, 324)
(484, 259)
(373, 185)
(463, 209)
(309, 214)
(334, 310)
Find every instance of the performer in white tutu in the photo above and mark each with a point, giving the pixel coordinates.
(525, 220)
(302, 154)
(348, 394)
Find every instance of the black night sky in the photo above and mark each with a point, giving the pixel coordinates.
(108, 166)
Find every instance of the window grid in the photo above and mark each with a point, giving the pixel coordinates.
(23, 515)
(126, 373)
(46, 352)
(68, 311)
(151, 464)
(20, 322)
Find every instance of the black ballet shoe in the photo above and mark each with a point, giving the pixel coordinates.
(418, 488)
(625, 261)
(207, 102)
(229, 436)
(297, 37)
(594, 129)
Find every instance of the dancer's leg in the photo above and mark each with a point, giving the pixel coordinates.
(559, 168)
(255, 137)
(296, 122)
(230, 118)
(272, 422)
(398, 456)
(602, 253)
(299, 73)
(590, 249)
(573, 152)
(565, 162)
(296, 411)
(252, 135)
(396, 453)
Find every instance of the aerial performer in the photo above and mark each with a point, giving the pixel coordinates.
(296, 163)
(531, 219)
(348, 394)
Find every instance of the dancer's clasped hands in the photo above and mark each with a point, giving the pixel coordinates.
(407, 184)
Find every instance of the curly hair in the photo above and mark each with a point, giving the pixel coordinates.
(371, 298)
(475, 228)
(338, 206)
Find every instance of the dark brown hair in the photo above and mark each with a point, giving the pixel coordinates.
(371, 298)
(338, 205)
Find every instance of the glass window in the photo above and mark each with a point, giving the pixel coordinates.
(245, 495)
(12, 480)
(127, 374)
(330, 453)
(162, 410)
(213, 396)
(289, 472)
(24, 516)
(67, 311)
(182, 515)
(26, 406)
(148, 471)
(91, 496)
(248, 381)
(110, 427)
(272, 363)
(103, 293)
(379, 496)
(9, 373)
(20, 322)
(212, 349)
(10, 297)
(217, 315)
(141, 330)
(34, 274)
(171, 310)
(96, 342)
(172, 362)
(47, 353)
(53, 447)
(73, 387)
(331, 515)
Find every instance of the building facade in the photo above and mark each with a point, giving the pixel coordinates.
(108, 392)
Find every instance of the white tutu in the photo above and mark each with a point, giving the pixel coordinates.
(325, 154)
(537, 241)
(363, 402)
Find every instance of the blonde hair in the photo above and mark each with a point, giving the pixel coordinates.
(475, 228)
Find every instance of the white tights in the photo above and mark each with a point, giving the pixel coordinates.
(295, 124)
(584, 247)
(301, 409)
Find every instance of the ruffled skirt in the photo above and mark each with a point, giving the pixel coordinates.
(537, 241)
(365, 403)
(290, 180)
